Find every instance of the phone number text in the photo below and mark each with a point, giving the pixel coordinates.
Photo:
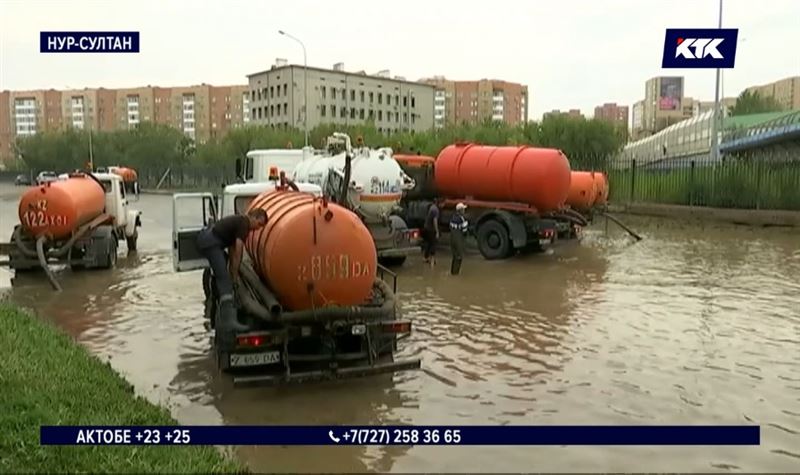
(401, 436)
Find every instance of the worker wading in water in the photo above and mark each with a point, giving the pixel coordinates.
(228, 233)
(430, 234)
(458, 237)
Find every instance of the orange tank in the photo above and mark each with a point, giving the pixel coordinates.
(128, 175)
(312, 253)
(59, 207)
(535, 176)
(601, 182)
(582, 191)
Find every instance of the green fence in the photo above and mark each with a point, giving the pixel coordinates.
(745, 181)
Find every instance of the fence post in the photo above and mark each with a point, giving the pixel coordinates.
(633, 179)
(691, 185)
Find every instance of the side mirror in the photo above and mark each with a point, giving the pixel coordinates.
(238, 168)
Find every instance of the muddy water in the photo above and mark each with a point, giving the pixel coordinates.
(692, 325)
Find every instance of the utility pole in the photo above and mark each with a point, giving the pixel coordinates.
(305, 83)
(717, 119)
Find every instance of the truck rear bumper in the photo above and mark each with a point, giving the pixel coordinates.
(398, 251)
(341, 373)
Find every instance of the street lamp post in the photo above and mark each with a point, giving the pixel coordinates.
(716, 119)
(305, 83)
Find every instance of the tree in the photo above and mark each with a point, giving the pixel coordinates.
(754, 103)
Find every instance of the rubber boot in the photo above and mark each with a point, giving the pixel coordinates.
(455, 266)
(227, 316)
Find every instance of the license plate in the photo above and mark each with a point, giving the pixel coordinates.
(255, 359)
(544, 242)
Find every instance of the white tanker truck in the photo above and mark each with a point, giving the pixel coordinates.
(376, 186)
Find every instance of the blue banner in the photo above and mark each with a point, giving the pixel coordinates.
(700, 48)
(89, 41)
(400, 435)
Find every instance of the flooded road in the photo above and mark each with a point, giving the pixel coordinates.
(693, 325)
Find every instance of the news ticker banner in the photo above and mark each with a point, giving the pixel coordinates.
(400, 435)
(89, 42)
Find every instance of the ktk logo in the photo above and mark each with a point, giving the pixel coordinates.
(702, 47)
(699, 48)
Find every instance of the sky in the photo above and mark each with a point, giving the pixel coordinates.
(570, 53)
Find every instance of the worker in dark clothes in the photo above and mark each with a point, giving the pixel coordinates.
(430, 234)
(228, 233)
(458, 237)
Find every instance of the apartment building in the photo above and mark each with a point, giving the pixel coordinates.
(6, 136)
(611, 112)
(556, 112)
(700, 107)
(457, 102)
(785, 91)
(336, 96)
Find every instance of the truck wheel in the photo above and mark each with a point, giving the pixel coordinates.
(131, 241)
(111, 258)
(493, 240)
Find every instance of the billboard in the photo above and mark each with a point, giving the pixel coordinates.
(669, 97)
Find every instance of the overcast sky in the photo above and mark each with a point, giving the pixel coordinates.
(570, 53)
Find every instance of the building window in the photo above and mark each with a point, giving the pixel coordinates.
(371, 97)
(272, 92)
(371, 114)
(343, 112)
(413, 102)
(344, 94)
(333, 111)
(352, 112)
(380, 98)
(285, 108)
(380, 114)
(405, 101)
(388, 100)
(324, 92)
(396, 100)
(361, 94)
(322, 110)
(413, 116)
(271, 111)
(405, 117)
(361, 114)
(352, 95)
(333, 93)
(285, 89)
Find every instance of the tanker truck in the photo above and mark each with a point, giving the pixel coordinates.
(515, 196)
(376, 184)
(76, 220)
(312, 294)
(588, 193)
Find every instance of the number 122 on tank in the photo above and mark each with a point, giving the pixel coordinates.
(332, 266)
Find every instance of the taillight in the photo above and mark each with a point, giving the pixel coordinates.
(396, 327)
(413, 234)
(253, 341)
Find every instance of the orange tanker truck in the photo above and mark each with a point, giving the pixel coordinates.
(311, 291)
(513, 194)
(588, 191)
(76, 220)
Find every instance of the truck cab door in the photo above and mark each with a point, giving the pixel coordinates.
(191, 213)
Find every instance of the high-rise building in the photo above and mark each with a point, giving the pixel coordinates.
(6, 135)
(664, 104)
(785, 91)
(556, 112)
(611, 112)
(335, 96)
(476, 101)
(637, 120)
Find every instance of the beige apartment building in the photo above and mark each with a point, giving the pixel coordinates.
(611, 112)
(202, 112)
(785, 91)
(336, 96)
(456, 102)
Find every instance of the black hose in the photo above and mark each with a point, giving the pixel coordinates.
(43, 262)
(354, 312)
(21, 245)
(269, 302)
(571, 218)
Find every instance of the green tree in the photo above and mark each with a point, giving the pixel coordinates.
(754, 103)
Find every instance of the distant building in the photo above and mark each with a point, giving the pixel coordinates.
(664, 104)
(339, 97)
(637, 120)
(699, 107)
(611, 112)
(555, 112)
(458, 102)
(785, 91)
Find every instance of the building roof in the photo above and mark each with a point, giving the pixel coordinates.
(347, 73)
(751, 120)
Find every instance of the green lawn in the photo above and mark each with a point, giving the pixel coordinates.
(47, 379)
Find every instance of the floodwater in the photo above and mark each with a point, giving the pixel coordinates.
(693, 325)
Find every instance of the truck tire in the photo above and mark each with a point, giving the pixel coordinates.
(493, 240)
(131, 241)
(111, 258)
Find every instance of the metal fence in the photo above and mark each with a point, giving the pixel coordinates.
(185, 177)
(755, 180)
